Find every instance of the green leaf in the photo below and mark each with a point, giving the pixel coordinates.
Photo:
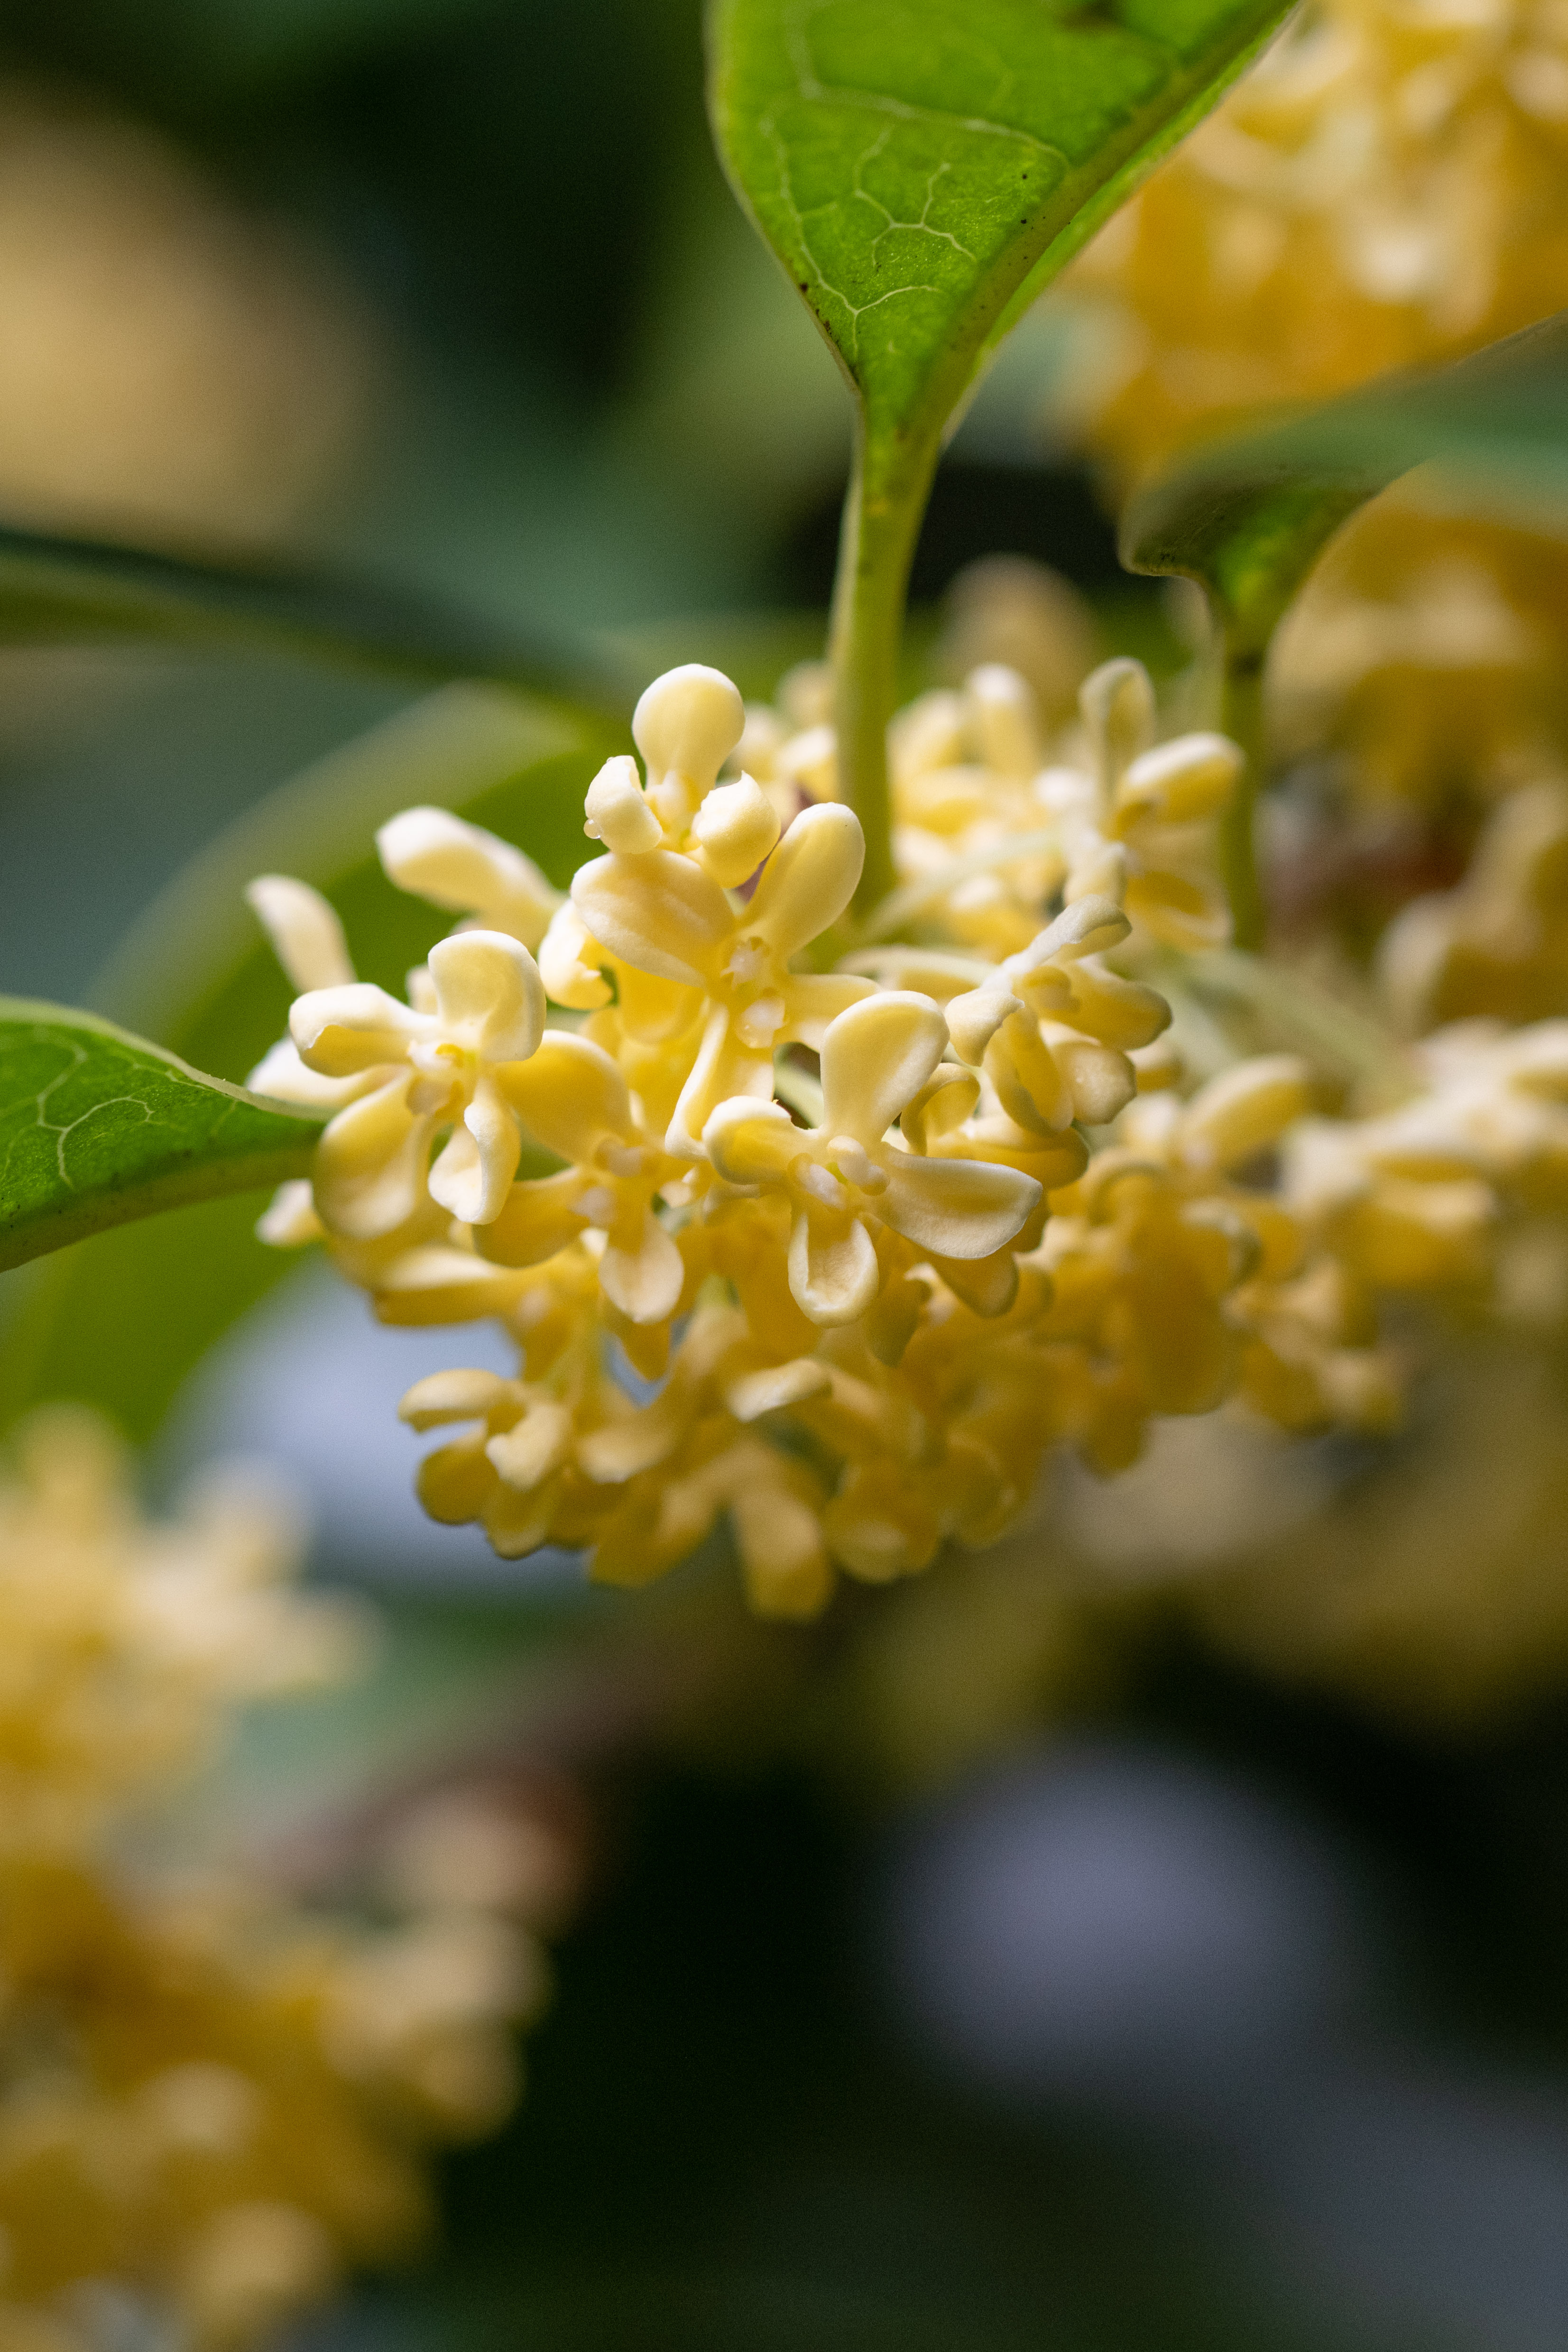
(922, 169)
(1249, 516)
(97, 1127)
(120, 1321)
(54, 589)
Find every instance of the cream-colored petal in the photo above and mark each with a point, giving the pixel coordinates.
(1120, 1013)
(465, 870)
(570, 1095)
(517, 1522)
(617, 813)
(782, 1556)
(342, 1031)
(735, 828)
(290, 1218)
(958, 1207)
(944, 1102)
(540, 1217)
(750, 1394)
(973, 1019)
(1245, 1110)
(1090, 926)
(281, 1074)
(810, 878)
(473, 1173)
(455, 1483)
(438, 1285)
(689, 721)
(832, 1269)
(568, 964)
(453, 1396)
(812, 999)
(725, 1066)
(1180, 782)
(751, 1142)
(306, 935)
(1029, 1084)
(644, 1283)
(489, 993)
(369, 1172)
(658, 911)
(1117, 705)
(1100, 1081)
(1189, 911)
(875, 1057)
(534, 1447)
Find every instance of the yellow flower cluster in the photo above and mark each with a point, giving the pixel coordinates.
(844, 1225)
(1389, 186)
(209, 2103)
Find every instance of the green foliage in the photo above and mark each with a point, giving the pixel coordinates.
(75, 591)
(922, 171)
(1249, 516)
(120, 1321)
(97, 1127)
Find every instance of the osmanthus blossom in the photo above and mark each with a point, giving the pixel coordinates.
(660, 912)
(844, 1174)
(212, 2102)
(996, 1218)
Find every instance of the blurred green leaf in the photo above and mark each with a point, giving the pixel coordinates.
(54, 589)
(120, 1321)
(922, 170)
(1248, 517)
(98, 1128)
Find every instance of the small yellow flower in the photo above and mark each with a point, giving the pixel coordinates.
(660, 913)
(844, 1176)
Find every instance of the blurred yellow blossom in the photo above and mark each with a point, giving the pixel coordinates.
(210, 2102)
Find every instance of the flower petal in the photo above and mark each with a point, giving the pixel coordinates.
(569, 963)
(957, 1208)
(832, 1269)
(281, 1074)
(570, 1095)
(810, 878)
(306, 935)
(455, 1396)
(645, 1284)
(725, 1066)
(438, 1285)
(658, 911)
(688, 721)
(540, 1217)
(876, 1056)
(473, 1175)
(369, 1172)
(813, 999)
(751, 1142)
(489, 994)
(342, 1031)
(461, 867)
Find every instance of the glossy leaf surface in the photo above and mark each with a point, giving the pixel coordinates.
(920, 170)
(97, 1128)
(121, 1320)
(1249, 516)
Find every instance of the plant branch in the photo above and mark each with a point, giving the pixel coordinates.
(887, 491)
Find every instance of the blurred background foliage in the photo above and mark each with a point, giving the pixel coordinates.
(1234, 2015)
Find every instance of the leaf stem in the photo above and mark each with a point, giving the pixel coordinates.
(888, 485)
(1241, 718)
